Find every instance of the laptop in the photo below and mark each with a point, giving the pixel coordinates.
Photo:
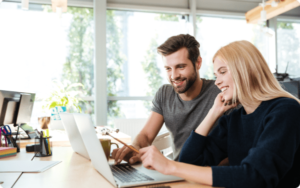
(73, 134)
(123, 175)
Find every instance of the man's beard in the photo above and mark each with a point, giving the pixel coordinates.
(189, 82)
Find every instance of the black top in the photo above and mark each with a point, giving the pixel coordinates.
(262, 147)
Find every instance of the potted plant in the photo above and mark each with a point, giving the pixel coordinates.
(62, 99)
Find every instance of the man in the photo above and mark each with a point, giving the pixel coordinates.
(182, 104)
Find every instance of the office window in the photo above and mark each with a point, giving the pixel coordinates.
(288, 48)
(134, 69)
(213, 33)
(37, 47)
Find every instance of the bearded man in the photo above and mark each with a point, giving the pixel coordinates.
(182, 104)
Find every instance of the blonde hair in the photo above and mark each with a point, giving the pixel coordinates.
(250, 73)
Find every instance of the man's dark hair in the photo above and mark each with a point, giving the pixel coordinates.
(175, 43)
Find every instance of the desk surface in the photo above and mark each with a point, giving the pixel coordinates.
(74, 171)
(10, 178)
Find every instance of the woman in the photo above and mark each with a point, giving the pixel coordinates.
(261, 139)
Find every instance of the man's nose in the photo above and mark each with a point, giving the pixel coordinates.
(175, 75)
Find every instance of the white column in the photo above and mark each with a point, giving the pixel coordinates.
(273, 55)
(192, 17)
(100, 62)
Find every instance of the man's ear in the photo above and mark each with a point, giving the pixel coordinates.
(198, 63)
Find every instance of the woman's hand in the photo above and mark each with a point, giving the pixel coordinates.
(154, 160)
(221, 105)
(219, 108)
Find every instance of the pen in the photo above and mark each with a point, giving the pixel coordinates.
(130, 147)
(0, 138)
(47, 130)
(46, 144)
(41, 142)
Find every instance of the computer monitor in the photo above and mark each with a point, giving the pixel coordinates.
(15, 107)
(292, 87)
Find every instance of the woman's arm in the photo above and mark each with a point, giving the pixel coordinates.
(208, 151)
(197, 174)
(219, 108)
(153, 159)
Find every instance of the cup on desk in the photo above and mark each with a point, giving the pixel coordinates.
(106, 145)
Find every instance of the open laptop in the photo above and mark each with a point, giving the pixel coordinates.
(73, 134)
(122, 175)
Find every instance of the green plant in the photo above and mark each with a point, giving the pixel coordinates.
(64, 96)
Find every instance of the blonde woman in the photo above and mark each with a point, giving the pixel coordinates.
(261, 139)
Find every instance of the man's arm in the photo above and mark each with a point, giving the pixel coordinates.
(143, 139)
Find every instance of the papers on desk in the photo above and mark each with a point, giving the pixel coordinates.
(26, 166)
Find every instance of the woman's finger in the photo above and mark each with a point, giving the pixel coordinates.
(144, 156)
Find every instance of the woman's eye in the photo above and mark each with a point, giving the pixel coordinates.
(222, 72)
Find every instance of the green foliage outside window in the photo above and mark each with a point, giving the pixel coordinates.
(285, 25)
(115, 61)
(152, 71)
(167, 17)
(79, 65)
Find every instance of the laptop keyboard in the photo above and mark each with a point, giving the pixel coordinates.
(126, 173)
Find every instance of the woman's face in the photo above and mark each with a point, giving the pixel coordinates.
(224, 79)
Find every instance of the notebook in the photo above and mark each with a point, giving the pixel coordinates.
(26, 166)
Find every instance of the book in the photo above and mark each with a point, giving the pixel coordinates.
(7, 152)
(8, 155)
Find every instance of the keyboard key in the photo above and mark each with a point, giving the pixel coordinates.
(126, 173)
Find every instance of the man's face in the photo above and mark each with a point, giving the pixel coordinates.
(180, 70)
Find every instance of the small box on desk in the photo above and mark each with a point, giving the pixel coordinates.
(43, 147)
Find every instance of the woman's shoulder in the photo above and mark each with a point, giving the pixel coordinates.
(282, 105)
(283, 101)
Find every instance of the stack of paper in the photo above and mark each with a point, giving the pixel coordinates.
(7, 152)
(26, 166)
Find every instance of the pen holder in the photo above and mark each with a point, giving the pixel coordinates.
(43, 147)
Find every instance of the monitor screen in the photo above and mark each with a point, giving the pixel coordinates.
(25, 108)
(10, 101)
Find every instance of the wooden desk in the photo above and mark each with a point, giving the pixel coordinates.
(74, 171)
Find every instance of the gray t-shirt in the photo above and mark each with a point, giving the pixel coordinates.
(181, 117)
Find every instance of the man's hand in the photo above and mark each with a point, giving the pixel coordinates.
(125, 154)
(143, 139)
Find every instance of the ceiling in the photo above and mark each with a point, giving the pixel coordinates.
(235, 6)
